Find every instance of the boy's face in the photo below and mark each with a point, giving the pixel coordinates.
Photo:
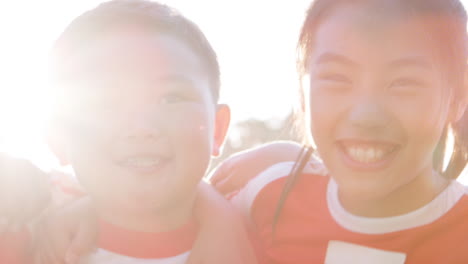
(146, 125)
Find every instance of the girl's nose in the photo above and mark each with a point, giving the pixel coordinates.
(368, 115)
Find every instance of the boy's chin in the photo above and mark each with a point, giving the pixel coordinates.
(156, 203)
(147, 216)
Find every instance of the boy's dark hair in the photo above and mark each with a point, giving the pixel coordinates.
(452, 39)
(109, 16)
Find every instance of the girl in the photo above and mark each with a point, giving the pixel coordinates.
(386, 79)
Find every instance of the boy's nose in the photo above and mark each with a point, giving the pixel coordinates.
(145, 125)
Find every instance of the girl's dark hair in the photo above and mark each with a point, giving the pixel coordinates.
(459, 156)
(451, 36)
(299, 164)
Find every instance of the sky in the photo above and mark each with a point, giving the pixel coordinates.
(255, 41)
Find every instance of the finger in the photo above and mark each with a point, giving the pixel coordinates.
(3, 224)
(52, 255)
(193, 257)
(223, 170)
(16, 227)
(219, 173)
(44, 248)
(36, 199)
(36, 203)
(227, 185)
(9, 228)
(47, 257)
(83, 243)
(53, 244)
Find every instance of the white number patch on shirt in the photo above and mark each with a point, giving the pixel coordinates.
(339, 252)
(102, 256)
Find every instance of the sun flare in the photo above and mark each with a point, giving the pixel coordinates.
(252, 67)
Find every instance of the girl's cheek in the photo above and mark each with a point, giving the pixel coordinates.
(422, 111)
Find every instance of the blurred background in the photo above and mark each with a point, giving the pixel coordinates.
(255, 41)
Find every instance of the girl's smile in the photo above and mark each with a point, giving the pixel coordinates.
(378, 104)
(366, 154)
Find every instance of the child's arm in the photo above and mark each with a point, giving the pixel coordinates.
(66, 233)
(24, 195)
(24, 192)
(72, 229)
(70, 232)
(234, 172)
(222, 235)
(14, 247)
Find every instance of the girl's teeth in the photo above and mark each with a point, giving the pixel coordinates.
(370, 154)
(365, 155)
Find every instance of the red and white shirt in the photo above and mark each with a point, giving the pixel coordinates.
(315, 228)
(14, 247)
(121, 246)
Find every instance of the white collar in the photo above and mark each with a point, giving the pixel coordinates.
(422, 216)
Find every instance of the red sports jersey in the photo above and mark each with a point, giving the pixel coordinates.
(315, 228)
(14, 248)
(121, 246)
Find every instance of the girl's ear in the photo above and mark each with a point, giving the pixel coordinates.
(459, 112)
(222, 120)
(304, 87)
(461, 103)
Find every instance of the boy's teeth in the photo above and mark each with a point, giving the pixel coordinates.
(366, 155)
(143, 162)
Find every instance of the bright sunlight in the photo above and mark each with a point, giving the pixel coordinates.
(255, 41)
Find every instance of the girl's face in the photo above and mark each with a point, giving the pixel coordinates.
(378, 103)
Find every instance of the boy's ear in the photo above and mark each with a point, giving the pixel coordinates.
(222, 120)
(55, 139)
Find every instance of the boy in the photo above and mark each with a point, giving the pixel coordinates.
(137, 118)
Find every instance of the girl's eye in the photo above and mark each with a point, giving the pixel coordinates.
(171, 99)
(406, 86)
(332, 82)
(334, 78)
(406, 82)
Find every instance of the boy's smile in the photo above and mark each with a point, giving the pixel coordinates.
(144, 163)
(147, 127)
